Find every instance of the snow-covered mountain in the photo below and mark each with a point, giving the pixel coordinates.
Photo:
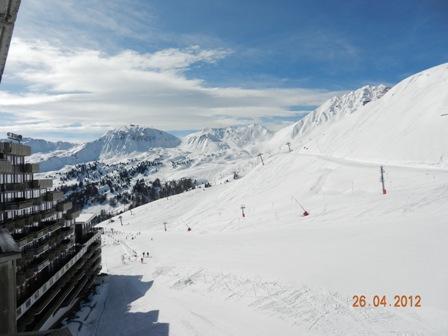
(372, 123)
(133, 139)
(406, 126)
(335, 108)
(120, 142)
(275, 271)
(45, 146)
(210, 140)
(206, 145)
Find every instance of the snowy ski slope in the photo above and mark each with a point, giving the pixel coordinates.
(275, 272)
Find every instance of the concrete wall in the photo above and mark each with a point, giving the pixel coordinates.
(8, 294)
(8, 15)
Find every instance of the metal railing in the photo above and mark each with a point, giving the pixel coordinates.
(5, 166)
(23, 308)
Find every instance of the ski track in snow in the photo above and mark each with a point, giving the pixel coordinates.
(308, 309)
(275, 272)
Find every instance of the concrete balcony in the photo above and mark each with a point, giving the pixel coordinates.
(18, 204)
(34, 252)
(36, 267)
(34, 295)
(5, 166)
(64, 207)
(15, 149)
(72, 214)
(42, 184)
(34, 233)
(31, 168)
(42, 265)
(15, 224)
(54, 196)
(15, 186)
(47, 214)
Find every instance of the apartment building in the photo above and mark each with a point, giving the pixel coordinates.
(54, 269)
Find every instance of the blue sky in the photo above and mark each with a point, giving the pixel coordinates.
(78, 67)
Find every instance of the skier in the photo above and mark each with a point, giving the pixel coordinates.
(141, 259)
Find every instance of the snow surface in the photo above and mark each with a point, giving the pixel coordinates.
(405, 126)
(211, 140)
(335, 108)
(45, 146)
(275, 272)
(114, 144)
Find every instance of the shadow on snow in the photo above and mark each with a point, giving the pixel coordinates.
(117, 319)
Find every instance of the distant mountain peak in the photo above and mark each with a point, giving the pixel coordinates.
(45, 146)
(117, 142)
(223, 138)
(334, 108)
(401, 125)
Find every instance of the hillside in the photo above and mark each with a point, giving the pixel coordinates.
(44, 146)
(114, 144)
(274, 271)
(236, 138)
(286, 273)
(336, 108)
(405, 126)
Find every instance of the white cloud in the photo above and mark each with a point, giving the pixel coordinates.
(91, 89)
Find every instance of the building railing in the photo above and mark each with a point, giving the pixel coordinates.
(64, 206)
(18, 203)
(5, 166)
(23, 308)
(54, 196)
(15, 149)
(31, 167)
(46, 183)
(73, 214)
(16, 186)
(38, 232)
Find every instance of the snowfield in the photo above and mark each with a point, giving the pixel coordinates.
(276, 272)
(405, 126)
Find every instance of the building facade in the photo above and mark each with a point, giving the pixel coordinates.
(54, 270)
(8, 15)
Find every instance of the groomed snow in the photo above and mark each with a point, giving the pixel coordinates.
(275, 272)
(407, 125)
